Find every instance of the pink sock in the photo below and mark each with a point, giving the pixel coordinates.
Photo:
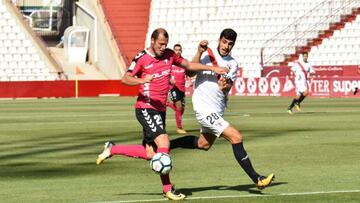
(172, 106)
(178, 115)
(135, 151)
(165, 179)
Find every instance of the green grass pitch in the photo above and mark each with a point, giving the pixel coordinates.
(48, 150)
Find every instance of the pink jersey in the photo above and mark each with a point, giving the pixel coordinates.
(154, 94)
(178, 74)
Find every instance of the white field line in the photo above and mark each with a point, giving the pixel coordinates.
(240, 196)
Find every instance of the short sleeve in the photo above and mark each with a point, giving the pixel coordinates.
(135, 67)
(233, 71)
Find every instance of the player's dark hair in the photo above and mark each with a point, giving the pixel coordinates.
(159, 31)
(304, 53)
(229, 34)
(177, 45)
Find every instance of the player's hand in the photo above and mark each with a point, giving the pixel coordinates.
(203, 46)
(220, 70)
(172, 82)
(148, 78)
(222, 83)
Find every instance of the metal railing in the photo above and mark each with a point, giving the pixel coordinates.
(304, 28)
(45, 17)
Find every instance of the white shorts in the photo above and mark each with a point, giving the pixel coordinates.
(211, 122)
(301, 87)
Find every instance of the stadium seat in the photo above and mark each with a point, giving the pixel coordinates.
(254, 21)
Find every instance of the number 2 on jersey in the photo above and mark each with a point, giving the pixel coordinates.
(212, 118)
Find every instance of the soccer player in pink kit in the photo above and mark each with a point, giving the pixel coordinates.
(151, 70)
(177, 92)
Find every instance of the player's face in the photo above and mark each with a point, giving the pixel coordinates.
(159, 45)
(178, 50)
(305, 57)
(225, 46)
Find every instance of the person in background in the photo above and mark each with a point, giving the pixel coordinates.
(177, 92)
(301, 68)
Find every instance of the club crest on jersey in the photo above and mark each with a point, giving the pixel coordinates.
(166, 61)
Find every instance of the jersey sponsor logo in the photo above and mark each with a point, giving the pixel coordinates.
(149, 66)
(161, 74)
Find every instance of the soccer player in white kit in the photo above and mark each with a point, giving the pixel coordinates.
(209, 103)
(301, 69)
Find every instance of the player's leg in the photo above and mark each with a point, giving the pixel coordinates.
(302, 93)
(170, 103)
(134, 151)
(302, 96)
(178, 117)
(163, 144)
(235, 139)
(355, 90)
(177, 97)
(186, 142)
(293, 103)
(207, 136)
(156, 133)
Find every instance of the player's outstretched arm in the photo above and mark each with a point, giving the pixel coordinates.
(200, 67)
(128, 79)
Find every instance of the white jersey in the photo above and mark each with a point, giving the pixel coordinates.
(207, 95)
(301, 70)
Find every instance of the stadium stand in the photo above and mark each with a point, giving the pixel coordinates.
(343, 48)
(280, 28)
(255, 21)
(128, 21)
(22, 56)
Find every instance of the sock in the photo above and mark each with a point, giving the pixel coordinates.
(172, 106)
(294, 101)
(302, 97)
(244, 161)
(165, 179)
(135, 151)
(178, 115)
(187, 142)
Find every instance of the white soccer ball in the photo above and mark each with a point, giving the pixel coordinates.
(161, 163)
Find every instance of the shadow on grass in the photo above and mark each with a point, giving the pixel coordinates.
(250, 188)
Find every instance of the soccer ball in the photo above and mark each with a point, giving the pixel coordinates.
(161, 163)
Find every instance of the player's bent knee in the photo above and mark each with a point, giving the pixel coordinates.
(232, 135)
(204, 146)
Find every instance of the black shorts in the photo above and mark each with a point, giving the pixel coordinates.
(153, 123)
(177, 95)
